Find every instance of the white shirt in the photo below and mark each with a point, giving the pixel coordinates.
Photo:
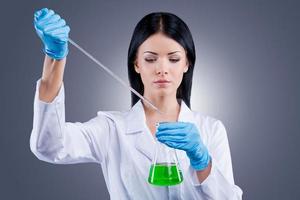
(123, 145)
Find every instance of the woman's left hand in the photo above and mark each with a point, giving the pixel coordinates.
(185, 136)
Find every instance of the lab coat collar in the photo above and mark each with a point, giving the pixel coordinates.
(136, 119)
(136, 125)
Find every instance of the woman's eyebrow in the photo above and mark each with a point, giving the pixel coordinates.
(157, 53)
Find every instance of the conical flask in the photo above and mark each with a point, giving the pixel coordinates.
(165, 169)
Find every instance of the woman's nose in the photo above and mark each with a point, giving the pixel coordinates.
(161, 72)
(161, 68)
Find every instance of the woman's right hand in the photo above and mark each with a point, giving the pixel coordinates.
(53, 31)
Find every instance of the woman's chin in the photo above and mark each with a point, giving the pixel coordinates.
(163, 92)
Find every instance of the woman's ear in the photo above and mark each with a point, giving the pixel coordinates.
(136, 68)
(186, 68)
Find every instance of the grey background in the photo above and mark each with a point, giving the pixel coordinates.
(246, 74)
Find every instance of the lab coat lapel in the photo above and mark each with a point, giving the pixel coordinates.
(186, 114)
(136, 125)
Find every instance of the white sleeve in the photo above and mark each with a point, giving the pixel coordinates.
(56, 141)
(220, 183)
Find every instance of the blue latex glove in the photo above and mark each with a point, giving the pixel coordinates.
(53, 31)
(185, 136)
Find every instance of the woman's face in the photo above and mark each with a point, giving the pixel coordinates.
(161, 62)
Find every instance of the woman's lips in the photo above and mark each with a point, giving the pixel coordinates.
(162, 83)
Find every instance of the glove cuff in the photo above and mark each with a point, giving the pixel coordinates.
(199, 159)
(57, 52)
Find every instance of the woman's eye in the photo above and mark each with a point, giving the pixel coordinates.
(150, 60)
(174, 60)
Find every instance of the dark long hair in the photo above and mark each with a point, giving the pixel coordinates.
(173, 27)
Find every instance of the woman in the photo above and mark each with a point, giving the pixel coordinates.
(161, 59)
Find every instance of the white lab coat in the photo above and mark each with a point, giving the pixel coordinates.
(123, 145)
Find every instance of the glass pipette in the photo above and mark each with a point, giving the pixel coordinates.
(113, 74)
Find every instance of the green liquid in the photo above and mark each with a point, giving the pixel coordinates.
(163, 174)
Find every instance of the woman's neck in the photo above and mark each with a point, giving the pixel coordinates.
(169, 106)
